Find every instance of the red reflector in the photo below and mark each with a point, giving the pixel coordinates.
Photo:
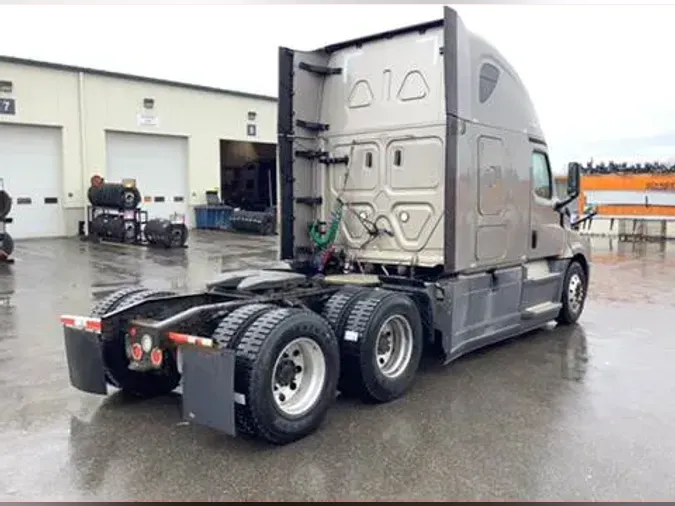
(93, 325)
(156, 356)
(132, 331)
(136, 351)
(81, 322)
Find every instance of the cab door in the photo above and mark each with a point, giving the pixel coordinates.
(546, 233)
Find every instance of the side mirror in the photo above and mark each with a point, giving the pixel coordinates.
(573, 185)
(573, 180)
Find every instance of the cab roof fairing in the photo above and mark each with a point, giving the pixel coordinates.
(510, 106)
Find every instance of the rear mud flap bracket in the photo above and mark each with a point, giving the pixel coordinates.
(208, 388)
(85, 361)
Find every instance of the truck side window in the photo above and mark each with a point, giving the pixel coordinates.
(488, 78)
(541, 176)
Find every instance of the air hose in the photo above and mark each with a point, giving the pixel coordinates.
(323, 240)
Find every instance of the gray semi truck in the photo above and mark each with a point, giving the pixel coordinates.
(416, 210)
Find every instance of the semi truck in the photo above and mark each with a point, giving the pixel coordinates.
(417, 212)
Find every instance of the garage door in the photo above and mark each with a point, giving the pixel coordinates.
(30, 166)
(158, 163)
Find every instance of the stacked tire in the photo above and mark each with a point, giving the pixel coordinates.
(6, 241)
(114, 195)
(161, 232)
(108, 226)
(5, 204)
(262, 223)
(6, 245)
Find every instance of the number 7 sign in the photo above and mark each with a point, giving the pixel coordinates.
(7, 106)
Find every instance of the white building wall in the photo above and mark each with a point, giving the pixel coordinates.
(45, 96)
(48, 97)
(203, 117)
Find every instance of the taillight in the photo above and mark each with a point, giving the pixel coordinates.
(136, 351)
(156, 357)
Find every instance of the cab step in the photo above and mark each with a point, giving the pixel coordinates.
(541, 310)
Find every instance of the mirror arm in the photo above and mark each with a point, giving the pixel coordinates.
(584, 218)
(562, 203)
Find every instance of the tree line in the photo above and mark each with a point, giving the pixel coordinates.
(627, 168)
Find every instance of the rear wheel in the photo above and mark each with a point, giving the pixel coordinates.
(232, 327)
(337, 309)
(116, 361)
(287, 368)
(109, 303)
(381, 347)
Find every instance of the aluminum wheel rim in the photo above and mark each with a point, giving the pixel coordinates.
(394, 346)
(298, 377)
(575, 293)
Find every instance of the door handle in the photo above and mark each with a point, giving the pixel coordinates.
(534, 239)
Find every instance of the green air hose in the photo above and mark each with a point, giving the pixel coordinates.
(322, 241)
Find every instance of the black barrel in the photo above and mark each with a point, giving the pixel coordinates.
(6, 245)
(115, 196)
(262, 223)
(161, 232)
(5, 204)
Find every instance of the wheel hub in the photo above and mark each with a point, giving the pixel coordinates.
(385, 344)
(575, 293)
(286, 373)
(394, 346)
(298, 377)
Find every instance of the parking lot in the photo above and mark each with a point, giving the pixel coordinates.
(577, 413)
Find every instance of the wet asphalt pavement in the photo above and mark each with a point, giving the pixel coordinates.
(576, 413)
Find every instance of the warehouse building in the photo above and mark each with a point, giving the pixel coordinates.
(60, 125)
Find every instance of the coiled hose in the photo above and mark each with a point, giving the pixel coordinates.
(324, 240)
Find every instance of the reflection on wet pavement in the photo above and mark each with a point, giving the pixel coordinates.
(575, 413)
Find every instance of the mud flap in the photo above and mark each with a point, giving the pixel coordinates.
(85, 361)
(208, 388)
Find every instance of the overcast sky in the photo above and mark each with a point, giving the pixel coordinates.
(601, 77)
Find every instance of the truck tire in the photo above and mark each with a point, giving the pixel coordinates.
(575, 287)
(261, 223)
(177, 237)
(114, 196)
(110, 302)
(231, 328)
(229, 332)
(137, 384)
(298, 349)
(381, 347)
(337, 309)
(6, 245)
(5, 204)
